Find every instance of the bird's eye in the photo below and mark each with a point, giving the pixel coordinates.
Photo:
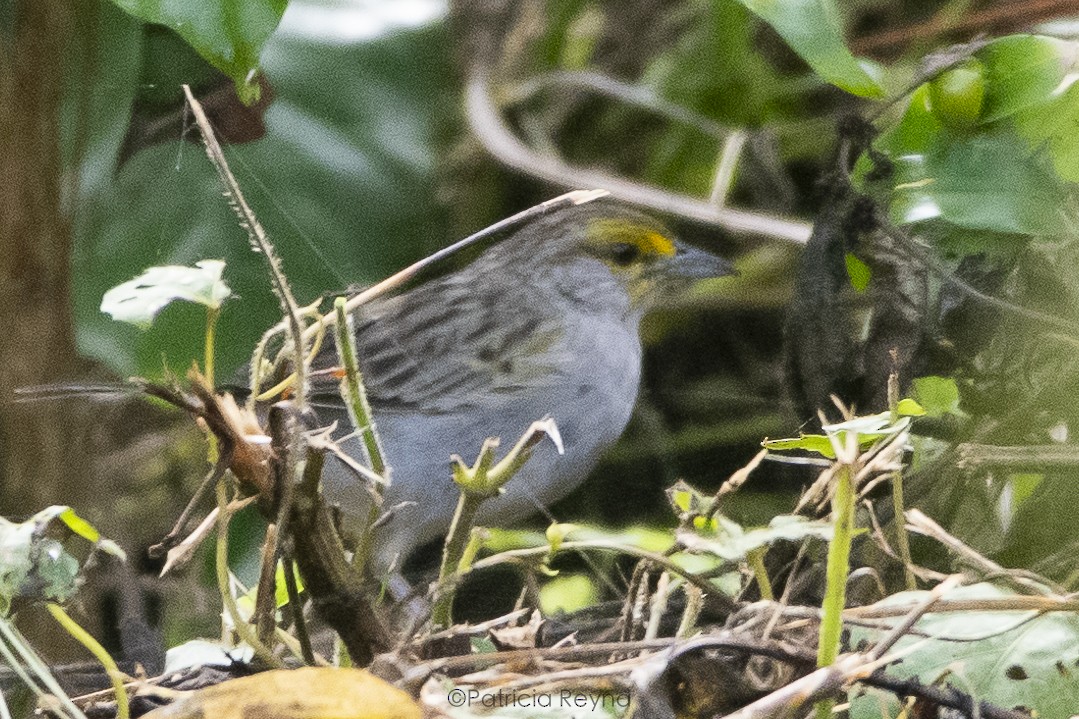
(624, 253)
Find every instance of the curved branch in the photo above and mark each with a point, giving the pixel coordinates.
(497, 138)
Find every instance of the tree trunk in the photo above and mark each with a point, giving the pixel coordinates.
(37, 343)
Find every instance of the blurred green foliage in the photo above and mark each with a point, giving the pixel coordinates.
(344, 182)
(364, 167)
(229, 34)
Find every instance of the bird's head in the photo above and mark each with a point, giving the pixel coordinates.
(606, 254)
(644, 257)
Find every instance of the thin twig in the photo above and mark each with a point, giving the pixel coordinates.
(728, 163)
(902, 628)
(974, 456)
(771, 648)
(735, 481)
(171, 539)
(918, 521)
(475, 629)
(1002, 604)
(181, 554)
(658, 605)
(788, 587)
(877, 533)
(489, 127)
(1064, 329)
(516, 555)
(996, 18)
(902, 542)
(631, 94)
(259, 239)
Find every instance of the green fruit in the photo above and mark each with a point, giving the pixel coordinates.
(958, 95)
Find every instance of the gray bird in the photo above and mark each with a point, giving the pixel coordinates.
(543, 323)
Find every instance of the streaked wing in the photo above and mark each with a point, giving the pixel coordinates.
(441, 346)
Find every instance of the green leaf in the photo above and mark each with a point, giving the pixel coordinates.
(280, 588)
(716, 58)
(909, 408)
(869, 425)
(1043, 525)
(952, 241)
(869, 429)
(811, 28)
(916, 130)
(39, 561)
(139, 300)
(687, 501)
(938, 395)
(1005, 658)
(732, 544)
(858, 272)
(246, 602)
(228, 33)
(988, 181)
(1022, 486)
(556, 534)
(169, 63)
(1050, 128)
(1001, 178)
(78, 525)
(567, 593)
(818, 443)
(1025, 70)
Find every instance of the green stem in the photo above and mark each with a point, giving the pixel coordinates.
(341, 657)
(359, 410)
(902, 543)
(87, 640)
(221, 565)
(357, 394)
(212, 313)
(456, 541)
(835, 596)
(293, 591)
(478, 483)
(12, 641)
(756, 563)
(475, 542)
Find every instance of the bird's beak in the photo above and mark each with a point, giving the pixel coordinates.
(694, 264)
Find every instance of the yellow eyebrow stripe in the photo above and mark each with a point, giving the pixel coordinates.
(646, 238)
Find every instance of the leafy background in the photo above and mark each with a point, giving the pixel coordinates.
(367, 162)
(344, 179)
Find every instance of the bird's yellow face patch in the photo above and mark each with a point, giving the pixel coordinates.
(630, 249)
(630, 241)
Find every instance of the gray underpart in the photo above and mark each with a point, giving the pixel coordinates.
(591, 404)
